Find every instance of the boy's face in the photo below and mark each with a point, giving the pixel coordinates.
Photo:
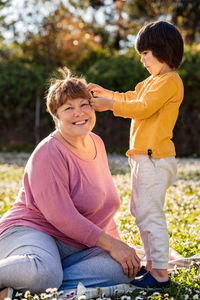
(152, 64)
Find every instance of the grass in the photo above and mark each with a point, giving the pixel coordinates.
(182, 211)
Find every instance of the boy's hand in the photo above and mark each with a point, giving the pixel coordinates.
(99, 91)
(102, 104)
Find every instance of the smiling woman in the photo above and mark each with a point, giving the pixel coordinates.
(60, 230)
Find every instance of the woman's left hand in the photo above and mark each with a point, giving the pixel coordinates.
(121, 252)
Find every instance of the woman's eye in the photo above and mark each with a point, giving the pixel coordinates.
(84, 104)
(68, 108)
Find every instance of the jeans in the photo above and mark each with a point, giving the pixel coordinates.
(33, 260)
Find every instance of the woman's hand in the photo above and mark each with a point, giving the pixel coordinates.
(102, 104)
(99, 91)
(121, 252)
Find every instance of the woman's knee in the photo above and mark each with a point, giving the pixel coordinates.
(96, 269)
(112, 270)
(42, 276)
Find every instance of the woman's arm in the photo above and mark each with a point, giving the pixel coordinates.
(121, 252)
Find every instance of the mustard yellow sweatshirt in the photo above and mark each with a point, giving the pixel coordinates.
(153, 108)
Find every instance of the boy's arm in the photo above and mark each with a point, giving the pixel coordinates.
(149, 103)
(128, 96)
(99, 91)
(123, 97)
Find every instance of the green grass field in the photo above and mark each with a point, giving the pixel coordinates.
(182, 211)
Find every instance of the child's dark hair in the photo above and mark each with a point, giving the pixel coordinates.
(164, 40)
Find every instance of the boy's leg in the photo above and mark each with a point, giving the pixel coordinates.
(92, 267)
(150, 179)
(145, 238)
(29, 260)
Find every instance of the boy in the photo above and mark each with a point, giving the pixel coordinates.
(153, 108)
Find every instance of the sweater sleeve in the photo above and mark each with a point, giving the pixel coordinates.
(150, 102)
(48, 178)
(128, 96)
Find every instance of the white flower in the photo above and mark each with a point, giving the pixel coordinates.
(83, 297)
(27, 293)
(156, 294)
(196, 297)
(143, 293)
(125, 298)
(54, 290)
(186, 297)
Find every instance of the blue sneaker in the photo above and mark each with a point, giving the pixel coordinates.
(141, 272)
(148, 281)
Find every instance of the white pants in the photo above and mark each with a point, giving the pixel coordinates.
(150, 179)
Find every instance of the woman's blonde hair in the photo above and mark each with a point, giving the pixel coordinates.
(65, 87)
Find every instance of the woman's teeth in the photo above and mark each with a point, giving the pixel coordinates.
(80, 122)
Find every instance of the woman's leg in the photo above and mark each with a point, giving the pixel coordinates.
(92, 267)
(29, 260)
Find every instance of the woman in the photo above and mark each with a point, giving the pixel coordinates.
(64, 211)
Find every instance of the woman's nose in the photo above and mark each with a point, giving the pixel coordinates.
(78, 111)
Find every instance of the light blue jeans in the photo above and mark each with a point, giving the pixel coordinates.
(33, 260)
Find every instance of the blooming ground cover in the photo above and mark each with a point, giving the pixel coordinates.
(182, 211)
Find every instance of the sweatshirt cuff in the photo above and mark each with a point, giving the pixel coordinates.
(92, 237)
(117, 108)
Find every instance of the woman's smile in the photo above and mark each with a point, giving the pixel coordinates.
(80, 122)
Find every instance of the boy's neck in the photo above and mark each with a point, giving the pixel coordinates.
(165, 69)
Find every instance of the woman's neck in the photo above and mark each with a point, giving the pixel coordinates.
(76, 143)
(82, 146)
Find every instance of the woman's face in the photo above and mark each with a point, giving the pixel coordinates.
(76, 117)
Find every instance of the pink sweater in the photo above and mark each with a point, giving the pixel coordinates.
(65, 196)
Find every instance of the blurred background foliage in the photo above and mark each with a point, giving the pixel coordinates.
(95, 39)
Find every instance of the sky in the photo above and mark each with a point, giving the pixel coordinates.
(24, 14)
(28, 15)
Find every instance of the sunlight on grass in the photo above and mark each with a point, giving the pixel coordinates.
(182, 211)
(10, 183)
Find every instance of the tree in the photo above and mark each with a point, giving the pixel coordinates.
(62, 40)
(185, 14)
(182, 13)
